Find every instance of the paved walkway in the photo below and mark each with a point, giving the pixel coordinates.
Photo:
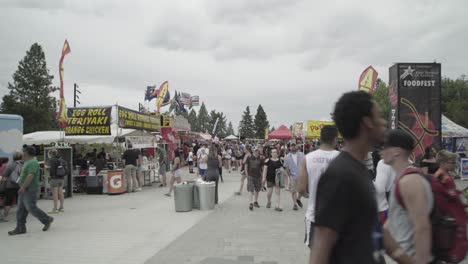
(143, 227)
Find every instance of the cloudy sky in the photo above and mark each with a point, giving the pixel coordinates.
(295, 57)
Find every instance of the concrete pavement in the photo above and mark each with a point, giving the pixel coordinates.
(143, 227)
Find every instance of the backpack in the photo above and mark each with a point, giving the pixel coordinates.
(15, 174)
(61, 168)
(448, 219)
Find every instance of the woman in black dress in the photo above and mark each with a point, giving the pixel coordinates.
(212, 173)
(272, 176)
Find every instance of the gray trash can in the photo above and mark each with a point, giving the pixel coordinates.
(196, 197)
(206, 193)
(183, 197)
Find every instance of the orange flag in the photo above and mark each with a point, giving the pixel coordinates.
(62, 114)
(367, 80)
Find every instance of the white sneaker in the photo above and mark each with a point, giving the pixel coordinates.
(139, 189)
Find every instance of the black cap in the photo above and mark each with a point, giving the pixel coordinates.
(30, 150)
(400, 139)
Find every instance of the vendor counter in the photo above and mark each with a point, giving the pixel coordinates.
(112, 181)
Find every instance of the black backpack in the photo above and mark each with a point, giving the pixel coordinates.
(61, 168)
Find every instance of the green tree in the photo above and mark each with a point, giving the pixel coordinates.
(192, 118)
(30, 91)
(203, 119)
(220, 130)
(272, 129)
(246, 125)
(260, 123)
(380, 95)
(230, 129)
(455, 99)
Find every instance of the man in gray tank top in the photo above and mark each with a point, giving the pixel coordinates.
(409, 224)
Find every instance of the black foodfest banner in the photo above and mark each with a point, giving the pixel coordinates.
(418, 108)
(136, 120)
(88, 121)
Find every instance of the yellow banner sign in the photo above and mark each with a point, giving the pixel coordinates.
(314, 128)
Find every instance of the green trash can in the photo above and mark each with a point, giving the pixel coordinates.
(183, 197)
(206, 193)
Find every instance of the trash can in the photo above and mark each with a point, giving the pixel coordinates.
(206, 194)
(196, 197)
(183, 197)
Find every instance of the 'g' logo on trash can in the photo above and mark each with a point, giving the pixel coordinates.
(116, 181)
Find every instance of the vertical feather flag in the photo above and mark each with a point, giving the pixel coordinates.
(62, 114)
(162, 95)
(367, 80)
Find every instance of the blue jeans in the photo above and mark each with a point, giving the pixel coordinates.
(27, 203)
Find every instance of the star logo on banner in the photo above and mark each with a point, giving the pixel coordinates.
(407, 72)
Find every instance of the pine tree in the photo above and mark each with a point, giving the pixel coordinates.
(260, 123)
(272, 129)
(192, 118)
(30, 92)
(246, 125)
(220, 130)
(230, 129)
(203, 119)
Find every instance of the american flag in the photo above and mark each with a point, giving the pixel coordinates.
(195, 100)
(185, 98)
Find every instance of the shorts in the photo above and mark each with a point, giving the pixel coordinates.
(11, 195)
(238, 158)
(309, 233)
(254, 184)
(292, 185)
(190, 163)
(162, 169)
(177, 174)
(201, 171)
(270, 184)
(54, 183)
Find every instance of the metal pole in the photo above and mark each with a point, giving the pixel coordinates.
(74, 95)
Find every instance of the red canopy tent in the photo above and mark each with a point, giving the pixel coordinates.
(281, 132)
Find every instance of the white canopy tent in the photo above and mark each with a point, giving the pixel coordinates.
(231, 137)
(48, 137)
(452, 129)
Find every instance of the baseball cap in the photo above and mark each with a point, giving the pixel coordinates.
(30, 150)
(400, 139)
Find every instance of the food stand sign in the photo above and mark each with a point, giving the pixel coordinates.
(88, 121)
(314, 128)
(136, 120)
(464, 169)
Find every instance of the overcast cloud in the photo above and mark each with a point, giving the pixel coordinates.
(295, 57)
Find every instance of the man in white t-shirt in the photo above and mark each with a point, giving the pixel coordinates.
(310, 171)
(384, 181)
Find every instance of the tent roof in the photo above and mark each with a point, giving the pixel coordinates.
(281, 132)
(47, 137)
(451, 129)
(231, 137)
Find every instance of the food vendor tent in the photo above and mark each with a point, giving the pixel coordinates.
(48, 137)
(452, 129)
(231, 137)
(281, 132)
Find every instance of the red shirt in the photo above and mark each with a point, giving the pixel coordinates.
(445, 178)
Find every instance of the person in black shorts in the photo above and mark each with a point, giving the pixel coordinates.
(346, 213)
(253, 171)
(272, 176)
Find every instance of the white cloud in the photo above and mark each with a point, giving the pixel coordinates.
(293, 57)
